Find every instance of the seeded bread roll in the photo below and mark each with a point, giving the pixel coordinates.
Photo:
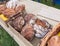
(28, 32)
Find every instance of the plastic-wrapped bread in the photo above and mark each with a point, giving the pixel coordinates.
(43, 23)
(28, 17)
(12, 3)
(28, 32)
(21, 9)
(54, 41)
(16, 5)
(18, 23)
(41, 28)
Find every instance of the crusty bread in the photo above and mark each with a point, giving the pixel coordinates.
(8, 12)
(54, 41)
(53, 32)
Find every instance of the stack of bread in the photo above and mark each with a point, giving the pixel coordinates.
(25, 23)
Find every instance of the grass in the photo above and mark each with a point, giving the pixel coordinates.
(6, 39)
(49, 3)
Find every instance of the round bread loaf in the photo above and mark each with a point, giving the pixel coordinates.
(54, 41)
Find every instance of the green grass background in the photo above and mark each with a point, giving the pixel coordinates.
(6, 39)
(49, 3)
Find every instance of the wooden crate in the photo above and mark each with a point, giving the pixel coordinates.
(41, 11)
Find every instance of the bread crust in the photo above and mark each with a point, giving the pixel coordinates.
(53, 32)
